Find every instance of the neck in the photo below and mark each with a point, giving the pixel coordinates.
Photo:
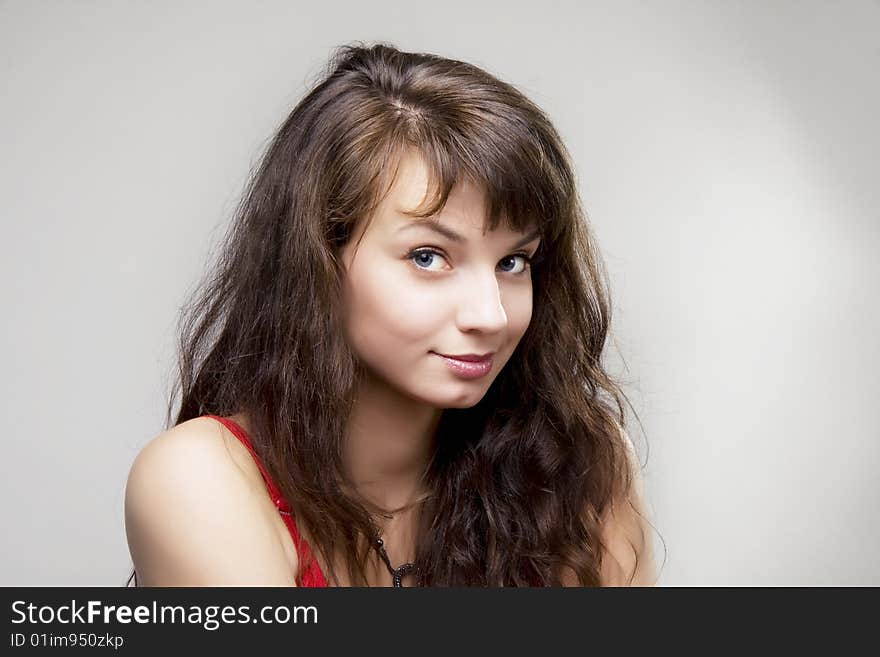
(388, 444)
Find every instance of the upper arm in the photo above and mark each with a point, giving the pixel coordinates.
(192, 518)
(628, 555)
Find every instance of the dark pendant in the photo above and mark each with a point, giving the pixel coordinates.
(397, 574)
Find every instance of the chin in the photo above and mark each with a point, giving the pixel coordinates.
(462, 405)
(445, 394)
(466, 399)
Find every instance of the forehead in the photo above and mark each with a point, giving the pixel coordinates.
(464, 211)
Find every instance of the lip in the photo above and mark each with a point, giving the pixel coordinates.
(469, 358)
(468, 369)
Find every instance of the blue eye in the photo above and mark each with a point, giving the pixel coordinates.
(424, 258)
(526, 262)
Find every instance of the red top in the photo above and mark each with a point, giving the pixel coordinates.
(312, 575)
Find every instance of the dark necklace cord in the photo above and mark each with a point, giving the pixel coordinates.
(397, 574)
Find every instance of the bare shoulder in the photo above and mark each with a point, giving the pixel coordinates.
(626, 532)
(194, 516)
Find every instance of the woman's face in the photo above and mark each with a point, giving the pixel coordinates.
(414, 294)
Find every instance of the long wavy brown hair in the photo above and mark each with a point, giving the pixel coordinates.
(518, 482)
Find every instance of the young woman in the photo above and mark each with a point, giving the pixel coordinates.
(394, 376)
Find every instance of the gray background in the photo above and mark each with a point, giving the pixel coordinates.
(727, 155)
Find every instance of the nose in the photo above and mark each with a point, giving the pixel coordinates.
(481, 307)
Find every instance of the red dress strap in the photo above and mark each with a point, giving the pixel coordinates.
(312, 575)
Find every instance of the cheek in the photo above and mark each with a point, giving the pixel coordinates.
(388, 309)
(519, 312)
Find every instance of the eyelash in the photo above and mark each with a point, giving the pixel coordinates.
(417, 252)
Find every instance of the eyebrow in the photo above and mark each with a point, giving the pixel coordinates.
(433, 224)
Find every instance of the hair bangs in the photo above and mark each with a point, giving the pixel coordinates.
(520, 188)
